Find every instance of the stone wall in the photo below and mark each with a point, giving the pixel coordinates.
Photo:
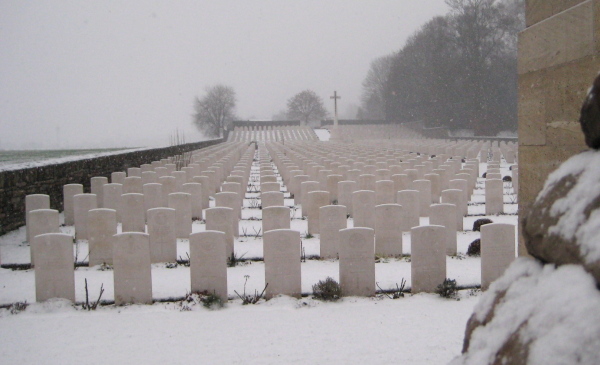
(49, 179)
(559, 57)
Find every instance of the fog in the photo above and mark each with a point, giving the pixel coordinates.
(94, 74)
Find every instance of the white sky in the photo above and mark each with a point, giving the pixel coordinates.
(83, 74)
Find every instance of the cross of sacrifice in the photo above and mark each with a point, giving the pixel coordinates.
(335, 98)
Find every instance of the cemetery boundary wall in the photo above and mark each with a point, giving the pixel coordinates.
(49, 179)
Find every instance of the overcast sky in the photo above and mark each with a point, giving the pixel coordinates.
(77, 74)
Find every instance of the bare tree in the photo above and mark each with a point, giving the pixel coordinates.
(215, 111)
(373, 88)
(306, 106)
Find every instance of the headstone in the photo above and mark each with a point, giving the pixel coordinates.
(54, 274)
(281, 249)
(497, 251)
(219, 219)
(168, 187)
(366, 182)
(133, 215)
(208, 263)
(384, 192)
(332, 187)
(461, 185)
(152, 197)
(305, 188)
(182, 204)
(195, 191)
(275, 218)
(494, 196)
(271, 199)
(112, 198)
(357, 263)
(388, 231)
(132, 185)
(162, 235)
(42, 221)
(428, 258)
(118, 177)
(436, 187)
(69, 191)
(363, 206)
(345, 190)
(204, 181)
(424, 189)
(34, 202)
(401, 182)
(82, 204)
(230, 200)
(445, 215)
(134, 172)
(96, 187)
(315, 200)
(102, 226)
(149, 177)
(409, 200)
(332, 218)
(132, 269)
(269, 186)
(455, 196)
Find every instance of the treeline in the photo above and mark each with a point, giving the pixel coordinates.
(458, 71)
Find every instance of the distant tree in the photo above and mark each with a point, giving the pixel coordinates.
(215, 111)
(306, 106)
(373, 88)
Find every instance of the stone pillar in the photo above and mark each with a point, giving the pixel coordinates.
(132, 269)
(271, 199)
(162, 235)
(208, 263)
(388, 231)
(69, 191)
(82, 204)
(34, 202)
(54, 274)
(409, 200)
(219, 219)
(445, 215)
(275, 218)
(182, 204)
(428, 258)
(315, 200)
(102, 227)
(497, 251)
(332, 218)
(357, 263)
(133, 216)
(281, 249)
(96, 187)
(494, 196)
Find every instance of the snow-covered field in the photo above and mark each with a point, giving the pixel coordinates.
(416, 329)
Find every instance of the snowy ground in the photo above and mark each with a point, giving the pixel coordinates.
(419, 329)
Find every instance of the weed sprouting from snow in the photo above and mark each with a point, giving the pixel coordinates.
(448, 289)
(18, 307)
(396, 293)
(250, 299)
(233, 260)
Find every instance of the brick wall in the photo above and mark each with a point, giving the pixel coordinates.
(558, 59)
(49, 179)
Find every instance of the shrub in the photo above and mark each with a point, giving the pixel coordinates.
(447, 289)
(480, 222)
(474, 248)
(18, 307)
(211, 300)
(328, 290)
